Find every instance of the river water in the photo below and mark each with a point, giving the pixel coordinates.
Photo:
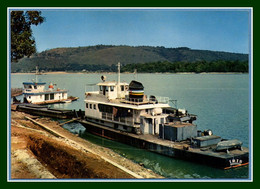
(221, 102)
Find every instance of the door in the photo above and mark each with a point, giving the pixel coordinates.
(154, 125)
(150, 125)
(104, 90)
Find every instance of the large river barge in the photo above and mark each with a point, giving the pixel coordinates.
(123, 112)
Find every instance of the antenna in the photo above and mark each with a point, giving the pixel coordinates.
(36, 74)
(118, 76)
(118, 80)
(135, 74)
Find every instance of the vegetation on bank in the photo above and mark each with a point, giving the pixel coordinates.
(105, 57)
(197, 67)
(153, 67)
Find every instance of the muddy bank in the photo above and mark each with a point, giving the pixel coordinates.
(37, 153)
(65, 162)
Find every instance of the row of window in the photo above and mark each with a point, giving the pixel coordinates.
(105, 88)
(91, 106)
(30, 86)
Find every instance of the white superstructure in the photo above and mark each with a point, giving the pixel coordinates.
(35, 93)
(117, 105)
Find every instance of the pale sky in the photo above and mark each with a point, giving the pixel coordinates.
(207, 29)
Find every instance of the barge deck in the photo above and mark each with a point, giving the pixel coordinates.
(182, 150)
(41, 110)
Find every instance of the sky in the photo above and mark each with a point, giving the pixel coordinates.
(207, 29)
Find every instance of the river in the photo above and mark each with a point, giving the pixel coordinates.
(221, 102)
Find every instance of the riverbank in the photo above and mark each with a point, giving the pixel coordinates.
(41, 149)
(58, 73)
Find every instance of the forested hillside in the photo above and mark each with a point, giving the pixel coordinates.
(105, 57)
(197, 67)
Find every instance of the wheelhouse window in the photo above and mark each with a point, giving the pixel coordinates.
(94, 106)
(86, 105)
(122, 87)
(111, 88)
(47, 97)
(90, 106)
(100, 88)
(51, 96)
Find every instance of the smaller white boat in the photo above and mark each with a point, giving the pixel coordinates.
(35, 93)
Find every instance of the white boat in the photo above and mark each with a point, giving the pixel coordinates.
(34, 92)
(125, 107)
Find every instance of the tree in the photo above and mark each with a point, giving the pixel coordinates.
(22, 41)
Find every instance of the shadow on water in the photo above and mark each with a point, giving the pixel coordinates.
(168, 167)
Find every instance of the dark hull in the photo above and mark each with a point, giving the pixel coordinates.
(181, 152)
(40, 110)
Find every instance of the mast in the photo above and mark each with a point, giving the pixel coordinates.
(36, 74)
(135, 74)
(118, 80)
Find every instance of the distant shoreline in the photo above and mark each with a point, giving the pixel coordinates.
(52, 73)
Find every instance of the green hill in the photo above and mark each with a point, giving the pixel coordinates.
(105, 57)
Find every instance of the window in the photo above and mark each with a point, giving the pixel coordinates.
(51, 96)
(86, 105)
(35, 87)
(100, 88)
(122, 87)
(95, 106)
(47, 97)
(111, 88)
(162, 120)
(90, 106)
(106, 88)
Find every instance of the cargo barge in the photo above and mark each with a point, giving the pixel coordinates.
(43, 110)
(122, 112)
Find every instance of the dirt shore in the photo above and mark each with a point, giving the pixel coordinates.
(41, 149)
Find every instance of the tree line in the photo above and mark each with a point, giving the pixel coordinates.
(197, 67)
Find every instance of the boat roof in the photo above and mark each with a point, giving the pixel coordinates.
(110, 83)
(45, 92)
(131, 106)
(33, 83)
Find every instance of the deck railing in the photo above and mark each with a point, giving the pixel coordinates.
(124, 120)
(147, 99)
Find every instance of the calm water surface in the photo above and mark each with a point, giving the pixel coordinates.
(221, 102)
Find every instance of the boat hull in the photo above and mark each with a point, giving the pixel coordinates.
(223, 161)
